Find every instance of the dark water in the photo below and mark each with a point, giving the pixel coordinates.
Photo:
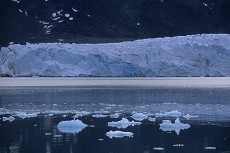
(32, 135)
(211, 127)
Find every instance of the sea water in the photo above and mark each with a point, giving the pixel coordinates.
(143, 118)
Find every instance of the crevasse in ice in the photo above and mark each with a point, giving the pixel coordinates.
(193, 55)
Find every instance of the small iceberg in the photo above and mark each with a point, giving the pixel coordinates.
(24, 115)
(115, 115)
(139, 116)
(174, 113)
(123, 123)
(178, 145)
(72, 126)
(167, 125)
(10, 119)
(100, 116)
(118, 134)
(158, 148)
(210, 148)
(187, 116)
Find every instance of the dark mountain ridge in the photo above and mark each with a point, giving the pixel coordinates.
(98, 21)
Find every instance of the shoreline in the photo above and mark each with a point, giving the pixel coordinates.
(199, 82)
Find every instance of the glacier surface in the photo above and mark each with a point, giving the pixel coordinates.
(193, 55)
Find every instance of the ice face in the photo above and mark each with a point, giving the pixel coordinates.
(119, 134)
(73, 126)
(194, 55)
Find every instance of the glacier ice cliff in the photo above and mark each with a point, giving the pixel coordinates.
(192, 55)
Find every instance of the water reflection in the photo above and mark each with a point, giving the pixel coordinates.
(23, 136)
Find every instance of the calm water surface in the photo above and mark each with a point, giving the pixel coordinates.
(209, 131)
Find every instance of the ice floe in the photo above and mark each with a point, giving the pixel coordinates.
(119, 134)
(24, 115)
(174, 113)
(123, 123)
(100, 115)
(72, 126)
(139, 116)
(167, 125)
(188, 116)
(178, 145)
(210, 148)
(158, 148)
(115, 115)
(10, 119)
(151, 119)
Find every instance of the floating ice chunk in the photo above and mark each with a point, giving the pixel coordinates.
(75, 10)
(59, 12)
(67, 15)
(43, 22)
(26, 13)
(138, 24)
(178, 145)
(158, 148)
(61, 21)
(167, 125)
(15, 1)
(81, 113)
(70, 18)
(48, 134)
(100, 139)
(123, 123)
(72, 126)
(54, 14)
(151, 119)
(11, 43)
(89, 15)
(139, 116)
(24, 115)
(10, 119)
(174, 113)
(210, 148)
(20, 10)
(99, 115)
(56, 18)
(205, 4)
(187, 116)
(115, 115)
(119, 134)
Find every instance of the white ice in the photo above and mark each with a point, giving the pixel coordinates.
(24, 115)
(72, 126)
(119, 134)
(178, 145)
(99, 115)
(188, 116)
(151, 119)
(10, 119)
(81, 113)
(115, 115)
(210, 148)
(158, 148)
(193, 55)
(139, 116)
(123, 123)
(174, 113)
(167, 125)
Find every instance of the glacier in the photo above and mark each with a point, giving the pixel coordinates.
(192, 55)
